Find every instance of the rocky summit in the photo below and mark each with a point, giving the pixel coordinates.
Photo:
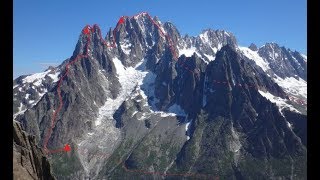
(145, 102)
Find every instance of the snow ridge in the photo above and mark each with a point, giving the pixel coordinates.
(253, 55)
(281, 103)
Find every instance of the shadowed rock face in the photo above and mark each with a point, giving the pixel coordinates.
(238, 131)
(136, 108)
(253, 47)
(29, 161)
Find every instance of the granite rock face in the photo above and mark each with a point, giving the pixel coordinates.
(29, 161)
(284, 62)
(146, 102)
(235, 127)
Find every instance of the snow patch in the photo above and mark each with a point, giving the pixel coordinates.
(214, 49)
(27, 96)
(126, 46)
(148, 89)
(210, 57)
(162, 29)
(305, 57)
(187, 129)
(219, 46)
(295, 60)
(37, 78)
(204, 37)
(54, 77)
(135, 112)
(128, 77)
(255, 57)
(42, 93)
(289, 125)
(188, 52)
(20, 111)
(281, 103)
(293, 86)
(164, 114)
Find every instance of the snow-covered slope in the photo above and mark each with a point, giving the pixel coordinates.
(253, 55)
(206, 44)
(28, 90)
(294, 86)
(128, 78)
(284, 66)
(112, 94)
(281, 103)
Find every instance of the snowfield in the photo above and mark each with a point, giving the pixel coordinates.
(296, 87)
(281, 103)
(128, 77)
(188, 52)
(134, 81)
(34, 81)
(253, 55)
(37, 78)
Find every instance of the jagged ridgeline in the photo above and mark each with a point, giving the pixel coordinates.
(159, 105)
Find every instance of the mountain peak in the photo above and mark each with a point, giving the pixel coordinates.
(217, 31)
(272, 45)
(141, 14)
(253, 47)
(115, 91)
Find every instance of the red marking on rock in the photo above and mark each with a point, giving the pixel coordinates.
(86, 30)
(121, 20)
(67, 148)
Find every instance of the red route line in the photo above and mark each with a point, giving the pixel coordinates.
(166, 36)
(122, 20)
(107, 155)
(86, 31)
(291, 98)
(175, 55)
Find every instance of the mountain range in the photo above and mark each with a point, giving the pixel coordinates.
(146, 102)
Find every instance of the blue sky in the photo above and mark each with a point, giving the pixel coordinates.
(46, 32)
